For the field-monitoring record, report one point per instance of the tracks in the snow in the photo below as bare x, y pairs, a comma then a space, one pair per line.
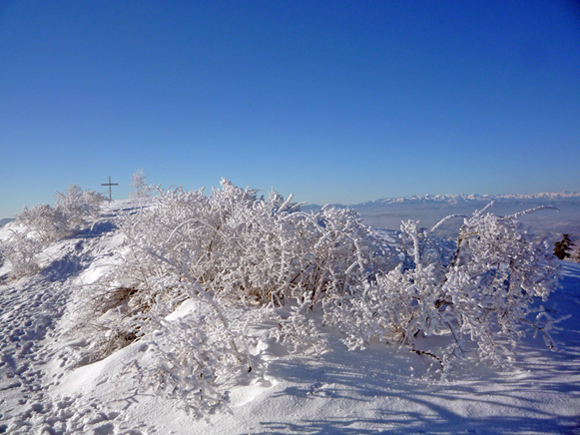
29, 311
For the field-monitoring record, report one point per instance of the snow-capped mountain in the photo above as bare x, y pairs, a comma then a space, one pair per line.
457, 199
564, 217
429, 209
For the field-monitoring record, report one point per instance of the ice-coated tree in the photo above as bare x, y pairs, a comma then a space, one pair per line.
139, 183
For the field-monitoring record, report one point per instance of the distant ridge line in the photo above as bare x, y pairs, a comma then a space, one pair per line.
454, 199
5, 221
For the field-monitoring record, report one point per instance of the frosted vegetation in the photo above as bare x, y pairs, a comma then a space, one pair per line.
43, 224
251, 265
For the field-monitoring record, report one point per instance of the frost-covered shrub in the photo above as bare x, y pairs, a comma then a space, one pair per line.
483, 293
395, 306
22, 252
241, 249
193, 355
72, 210
299, 332
44, 222
78, 206
231, 252
498, 272
245, 249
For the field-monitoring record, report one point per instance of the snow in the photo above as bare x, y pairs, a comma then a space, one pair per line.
380, 389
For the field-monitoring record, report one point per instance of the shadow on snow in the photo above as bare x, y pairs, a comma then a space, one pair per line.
526, 397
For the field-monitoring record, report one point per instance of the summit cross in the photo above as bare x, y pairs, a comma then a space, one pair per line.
110, 184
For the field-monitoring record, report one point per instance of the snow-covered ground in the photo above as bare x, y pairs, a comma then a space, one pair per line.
379, 389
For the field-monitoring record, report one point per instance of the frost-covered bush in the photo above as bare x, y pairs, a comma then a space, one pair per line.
191, 354
245, 249
241, 249
22, 252
298, 331
231, 252
43, 224
78, 206
72, 210
482, 293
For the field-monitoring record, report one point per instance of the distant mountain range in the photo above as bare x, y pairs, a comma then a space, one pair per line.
429, 209
457, 199
452, 199
5, 221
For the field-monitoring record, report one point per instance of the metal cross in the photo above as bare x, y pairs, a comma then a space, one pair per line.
110, 184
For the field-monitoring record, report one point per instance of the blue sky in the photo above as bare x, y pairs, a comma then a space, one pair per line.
334, 101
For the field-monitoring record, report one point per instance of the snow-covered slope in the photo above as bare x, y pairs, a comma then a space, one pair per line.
377, 390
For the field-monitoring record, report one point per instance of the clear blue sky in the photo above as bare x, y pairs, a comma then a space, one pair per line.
334, 101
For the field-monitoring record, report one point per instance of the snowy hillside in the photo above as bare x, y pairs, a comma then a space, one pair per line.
69, 364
